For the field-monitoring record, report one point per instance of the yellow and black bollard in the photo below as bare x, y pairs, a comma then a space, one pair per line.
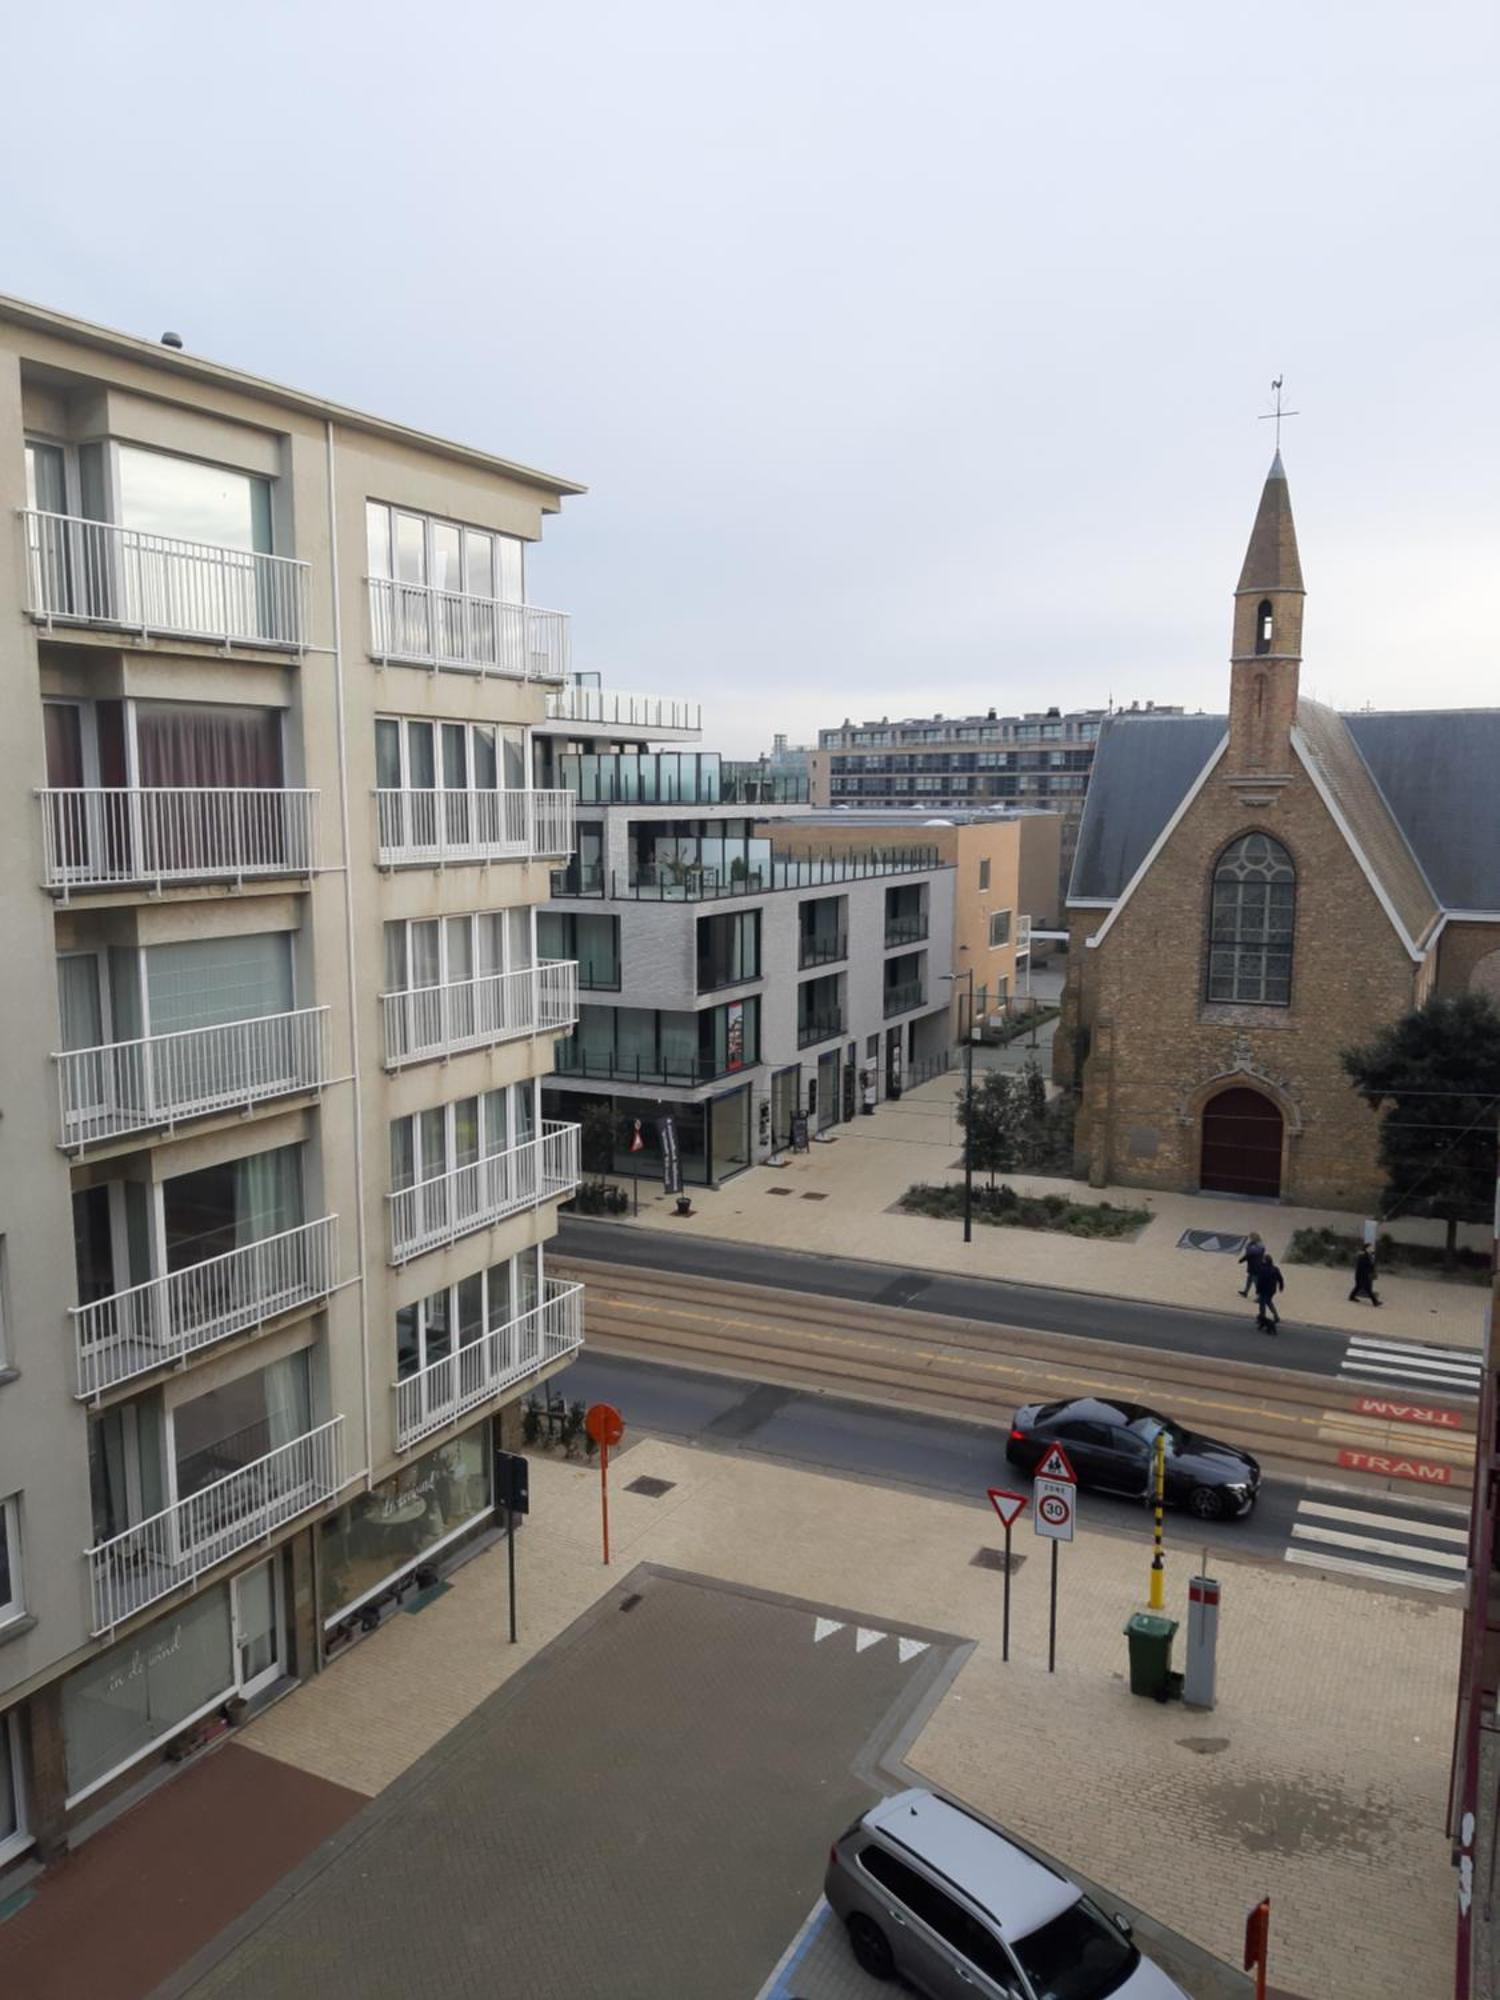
1158, 1598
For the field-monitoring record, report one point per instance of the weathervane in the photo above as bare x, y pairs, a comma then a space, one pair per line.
1275, 416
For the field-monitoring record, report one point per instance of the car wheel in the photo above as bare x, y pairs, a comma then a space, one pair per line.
1205, 1503
868, 1943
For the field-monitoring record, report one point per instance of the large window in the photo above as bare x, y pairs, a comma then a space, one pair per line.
449, 1136
183, 497
414, 548
999, 927
643, 1045
592, 942
430, 1329
1253, 915
728, 949
416, 756
449, 951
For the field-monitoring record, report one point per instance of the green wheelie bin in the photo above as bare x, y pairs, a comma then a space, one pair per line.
1150, 1637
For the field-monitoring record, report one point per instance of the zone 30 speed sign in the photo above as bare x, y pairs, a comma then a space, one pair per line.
1052, 1508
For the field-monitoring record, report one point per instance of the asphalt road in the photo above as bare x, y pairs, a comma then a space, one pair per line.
945, 1455
1228, 1336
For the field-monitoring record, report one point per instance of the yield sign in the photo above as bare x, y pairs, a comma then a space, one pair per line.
1009, 1506
1056, 1466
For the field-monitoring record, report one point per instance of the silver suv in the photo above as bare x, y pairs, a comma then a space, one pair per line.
929, 1890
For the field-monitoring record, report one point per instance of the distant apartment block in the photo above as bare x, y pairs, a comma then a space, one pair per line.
940, 762
276, 1182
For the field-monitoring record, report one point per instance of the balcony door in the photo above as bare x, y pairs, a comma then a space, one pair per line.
259, 1635
90, 1086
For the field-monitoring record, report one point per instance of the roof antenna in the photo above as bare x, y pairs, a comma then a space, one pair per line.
171, 340
1275, 416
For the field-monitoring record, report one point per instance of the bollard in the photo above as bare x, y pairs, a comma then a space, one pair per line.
1202, 1642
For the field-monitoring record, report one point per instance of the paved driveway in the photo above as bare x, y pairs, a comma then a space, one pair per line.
645, 1811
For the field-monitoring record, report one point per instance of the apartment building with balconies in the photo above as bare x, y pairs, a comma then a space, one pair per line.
275, 1178
1039, 761
729, 987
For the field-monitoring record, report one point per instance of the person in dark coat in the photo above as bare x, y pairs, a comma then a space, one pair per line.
1250, 1257
1268, 1282
1364, 1277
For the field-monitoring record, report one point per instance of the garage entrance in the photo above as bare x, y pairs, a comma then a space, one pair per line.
1241, 1144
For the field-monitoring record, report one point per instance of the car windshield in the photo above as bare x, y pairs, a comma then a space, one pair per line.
1080, 1955
1147, 1424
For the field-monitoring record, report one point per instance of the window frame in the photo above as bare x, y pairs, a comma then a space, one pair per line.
391, 509
1003, 918
1237, 948
12, 1607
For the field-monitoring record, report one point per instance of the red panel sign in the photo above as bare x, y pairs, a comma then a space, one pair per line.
1409, 1413
1009, 1506
1421, 1470
1257, 1936
604, 1424
1056, 1465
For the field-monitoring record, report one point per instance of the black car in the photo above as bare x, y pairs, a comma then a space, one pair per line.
1112, 1446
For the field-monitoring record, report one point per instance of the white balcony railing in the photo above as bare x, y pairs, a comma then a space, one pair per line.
435, 827
455, 1204
490, 1365
94, 573
475, 635
132, 1086
184, 1541
1023, 937
433, 1021
98, 838
166, 1319
606, 708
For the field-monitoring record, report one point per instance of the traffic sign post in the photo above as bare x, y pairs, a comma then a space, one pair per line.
605, 1426
1010, 1507
1053, 1493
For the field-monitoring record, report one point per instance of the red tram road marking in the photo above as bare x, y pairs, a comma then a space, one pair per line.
1397, 1468
1409, 1413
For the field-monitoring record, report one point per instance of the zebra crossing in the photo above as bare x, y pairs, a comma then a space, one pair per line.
1404, 1364
1424, 1548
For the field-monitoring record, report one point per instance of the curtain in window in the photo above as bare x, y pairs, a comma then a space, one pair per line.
519, 952
218, 748
80, 1004
288, 1400
679, 1044
207, 982
267, 1194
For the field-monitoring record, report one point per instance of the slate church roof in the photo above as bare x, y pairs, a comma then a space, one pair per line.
1419, 791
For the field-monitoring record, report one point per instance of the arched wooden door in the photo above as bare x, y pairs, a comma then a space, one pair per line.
1241, 1144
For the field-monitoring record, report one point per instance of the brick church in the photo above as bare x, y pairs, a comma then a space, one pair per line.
1248, 898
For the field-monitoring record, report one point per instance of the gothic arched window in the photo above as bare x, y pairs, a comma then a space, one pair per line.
1253, 912
1264, 625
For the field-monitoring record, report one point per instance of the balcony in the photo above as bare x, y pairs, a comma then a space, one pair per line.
440, 1210
822, 948
436, 828
416, 623
904, 998
94, 838
94, 573
684, 1072
430, 1021
674, 777
164, 1321
497, 1361
750, 870
135, 1086
604, 709
904, 930
820, 1028
184, 1541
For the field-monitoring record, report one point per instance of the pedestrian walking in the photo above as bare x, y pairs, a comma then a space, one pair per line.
1268, 1282
867, 1086
1250, 1257
1364, 1277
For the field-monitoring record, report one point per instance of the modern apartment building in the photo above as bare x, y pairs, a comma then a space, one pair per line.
1005, 873
942, 763
724, 984
275, 1180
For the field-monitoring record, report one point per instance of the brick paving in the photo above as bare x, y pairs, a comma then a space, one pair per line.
133, 1903
1320, 1779
874, 1160
640, 1815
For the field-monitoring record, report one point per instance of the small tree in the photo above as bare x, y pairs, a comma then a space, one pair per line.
1435, 1075
996, 1130
596, 1135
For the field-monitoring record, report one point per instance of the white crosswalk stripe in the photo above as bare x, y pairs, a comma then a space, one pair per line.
1391, 1545
1401, 1364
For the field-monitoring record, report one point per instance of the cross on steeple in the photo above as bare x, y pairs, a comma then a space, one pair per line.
1275, 416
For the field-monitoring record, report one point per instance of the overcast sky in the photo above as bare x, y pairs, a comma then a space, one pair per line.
912, 355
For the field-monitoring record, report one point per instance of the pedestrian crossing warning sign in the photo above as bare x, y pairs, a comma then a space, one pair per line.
1056, 1465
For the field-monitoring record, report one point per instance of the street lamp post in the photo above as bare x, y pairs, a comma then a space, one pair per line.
954, 977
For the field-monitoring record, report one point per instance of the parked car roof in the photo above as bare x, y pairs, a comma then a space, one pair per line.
1021, 1894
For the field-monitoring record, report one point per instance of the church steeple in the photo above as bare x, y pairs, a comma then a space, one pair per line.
1267, 651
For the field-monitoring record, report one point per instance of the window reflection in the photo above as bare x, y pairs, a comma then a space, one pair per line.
193, 502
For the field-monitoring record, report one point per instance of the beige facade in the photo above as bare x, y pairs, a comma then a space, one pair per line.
273, 1181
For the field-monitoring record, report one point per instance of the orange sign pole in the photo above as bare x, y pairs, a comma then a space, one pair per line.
604, 1494
605, 1426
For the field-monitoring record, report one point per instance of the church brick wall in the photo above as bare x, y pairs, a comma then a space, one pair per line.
1156, 1045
